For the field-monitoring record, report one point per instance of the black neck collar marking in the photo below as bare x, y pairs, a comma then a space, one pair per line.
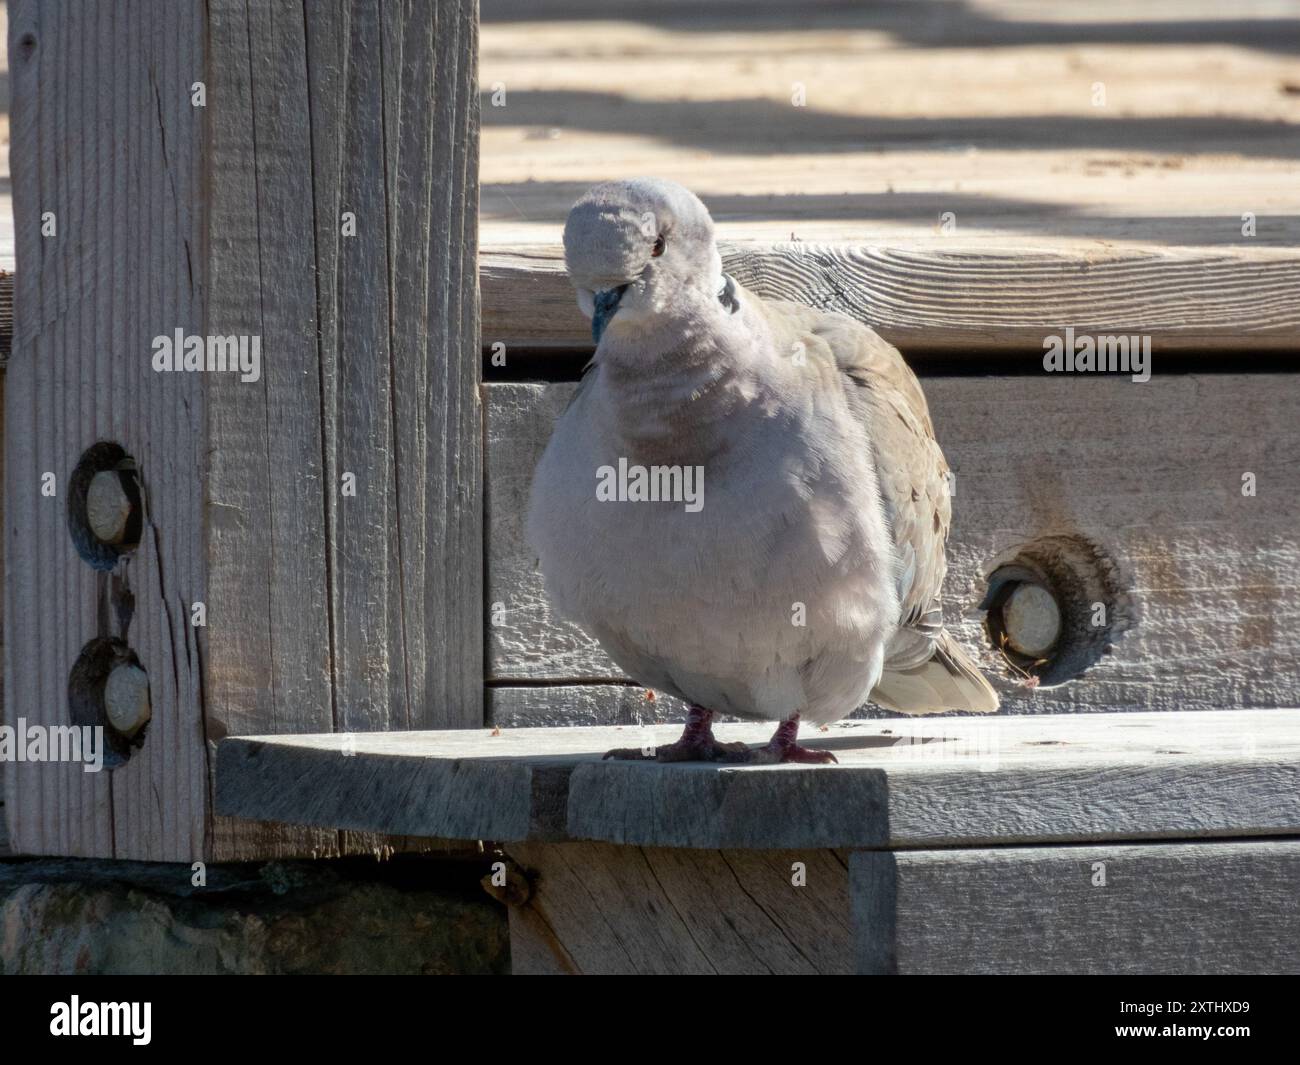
727, 295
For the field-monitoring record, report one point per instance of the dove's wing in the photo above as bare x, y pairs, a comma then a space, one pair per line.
910, 467
925, 670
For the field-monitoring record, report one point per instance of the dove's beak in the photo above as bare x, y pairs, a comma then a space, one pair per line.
606, 304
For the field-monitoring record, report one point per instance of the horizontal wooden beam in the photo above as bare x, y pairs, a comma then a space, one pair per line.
1204, 606
959, 298
899, 783
1203, 908
1210, 300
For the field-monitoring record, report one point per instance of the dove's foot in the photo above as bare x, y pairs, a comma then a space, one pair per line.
696, 745
782, 748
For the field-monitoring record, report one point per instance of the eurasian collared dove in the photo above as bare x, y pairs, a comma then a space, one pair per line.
744, 502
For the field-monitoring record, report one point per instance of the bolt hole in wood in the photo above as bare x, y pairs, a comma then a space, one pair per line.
105, 516
108, 687
1054, 607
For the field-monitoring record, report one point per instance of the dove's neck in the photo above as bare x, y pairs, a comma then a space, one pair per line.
682, 388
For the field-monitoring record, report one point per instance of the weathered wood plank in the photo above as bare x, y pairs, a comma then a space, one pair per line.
374, 112
1194, 908
596, 908
538, 706
1056, 201
456, 462
398, 122
967, 300
1150, 473
526, 639
900, 783
324, 609
267, 495
160, 798
938, 299
112, 166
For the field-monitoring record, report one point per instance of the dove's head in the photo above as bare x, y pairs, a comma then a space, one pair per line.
638, 250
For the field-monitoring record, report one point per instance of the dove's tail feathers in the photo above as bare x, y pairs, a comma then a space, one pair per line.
950, 680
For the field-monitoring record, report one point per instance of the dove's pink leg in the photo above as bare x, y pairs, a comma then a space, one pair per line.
696, 745
782, 747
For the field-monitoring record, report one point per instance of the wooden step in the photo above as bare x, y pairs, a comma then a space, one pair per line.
937, 845
900, 783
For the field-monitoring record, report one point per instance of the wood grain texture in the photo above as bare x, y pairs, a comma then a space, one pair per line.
924, 295
324, 610
631, 910
944, 781
269, 654
1178, 908
1062, 206
1149, 473
372, 620
538, 706
105, 138
526, 638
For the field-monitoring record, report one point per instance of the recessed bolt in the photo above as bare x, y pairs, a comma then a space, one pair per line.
1032, 620
108, 507
126, 698
1041, 607
105, 505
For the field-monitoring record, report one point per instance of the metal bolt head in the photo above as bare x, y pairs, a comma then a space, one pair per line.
126, 698
1032, 620
108, 508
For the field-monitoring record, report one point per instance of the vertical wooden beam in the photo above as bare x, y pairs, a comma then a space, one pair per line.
268, 651
323, 199
106, 152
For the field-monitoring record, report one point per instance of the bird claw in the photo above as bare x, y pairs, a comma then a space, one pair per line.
779, 754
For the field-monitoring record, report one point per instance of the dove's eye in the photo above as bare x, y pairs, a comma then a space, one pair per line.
658, 249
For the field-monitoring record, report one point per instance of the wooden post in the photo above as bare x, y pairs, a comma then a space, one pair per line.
239, 180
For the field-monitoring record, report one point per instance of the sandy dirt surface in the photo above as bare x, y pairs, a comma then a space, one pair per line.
1151, 123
